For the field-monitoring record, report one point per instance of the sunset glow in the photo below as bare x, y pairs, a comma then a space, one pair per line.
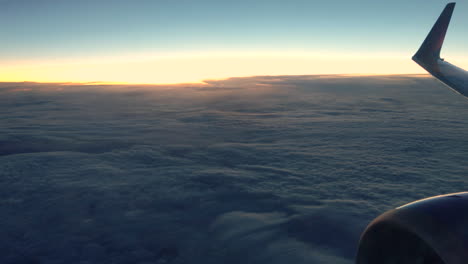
198, 67
186, 41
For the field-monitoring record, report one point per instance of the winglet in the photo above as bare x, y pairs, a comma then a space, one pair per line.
429, 51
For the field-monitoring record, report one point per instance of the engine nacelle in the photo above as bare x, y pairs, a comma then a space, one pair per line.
428, 231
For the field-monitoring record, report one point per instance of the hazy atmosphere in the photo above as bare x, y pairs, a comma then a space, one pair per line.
161, 41
279, 169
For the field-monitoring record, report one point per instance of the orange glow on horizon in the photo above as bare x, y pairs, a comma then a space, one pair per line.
194, 68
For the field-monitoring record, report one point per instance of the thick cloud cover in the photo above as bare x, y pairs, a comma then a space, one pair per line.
280, 169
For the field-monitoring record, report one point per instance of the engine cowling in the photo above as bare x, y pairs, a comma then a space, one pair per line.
428, 231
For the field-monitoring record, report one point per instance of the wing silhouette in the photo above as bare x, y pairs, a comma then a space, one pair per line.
428, 55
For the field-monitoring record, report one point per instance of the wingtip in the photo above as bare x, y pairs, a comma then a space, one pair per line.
450, 5
429, 51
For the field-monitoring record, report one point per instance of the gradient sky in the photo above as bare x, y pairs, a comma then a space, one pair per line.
166, 41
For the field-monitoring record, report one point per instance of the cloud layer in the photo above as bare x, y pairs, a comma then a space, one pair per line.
278, 169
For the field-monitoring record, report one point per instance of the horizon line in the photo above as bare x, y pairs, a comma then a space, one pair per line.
206, 81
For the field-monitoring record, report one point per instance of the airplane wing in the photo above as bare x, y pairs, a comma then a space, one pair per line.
428, 56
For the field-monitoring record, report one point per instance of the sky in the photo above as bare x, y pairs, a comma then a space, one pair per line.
163, 41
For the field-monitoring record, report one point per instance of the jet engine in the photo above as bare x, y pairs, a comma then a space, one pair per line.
428, 231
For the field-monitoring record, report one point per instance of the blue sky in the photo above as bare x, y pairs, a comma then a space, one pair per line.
63, 29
